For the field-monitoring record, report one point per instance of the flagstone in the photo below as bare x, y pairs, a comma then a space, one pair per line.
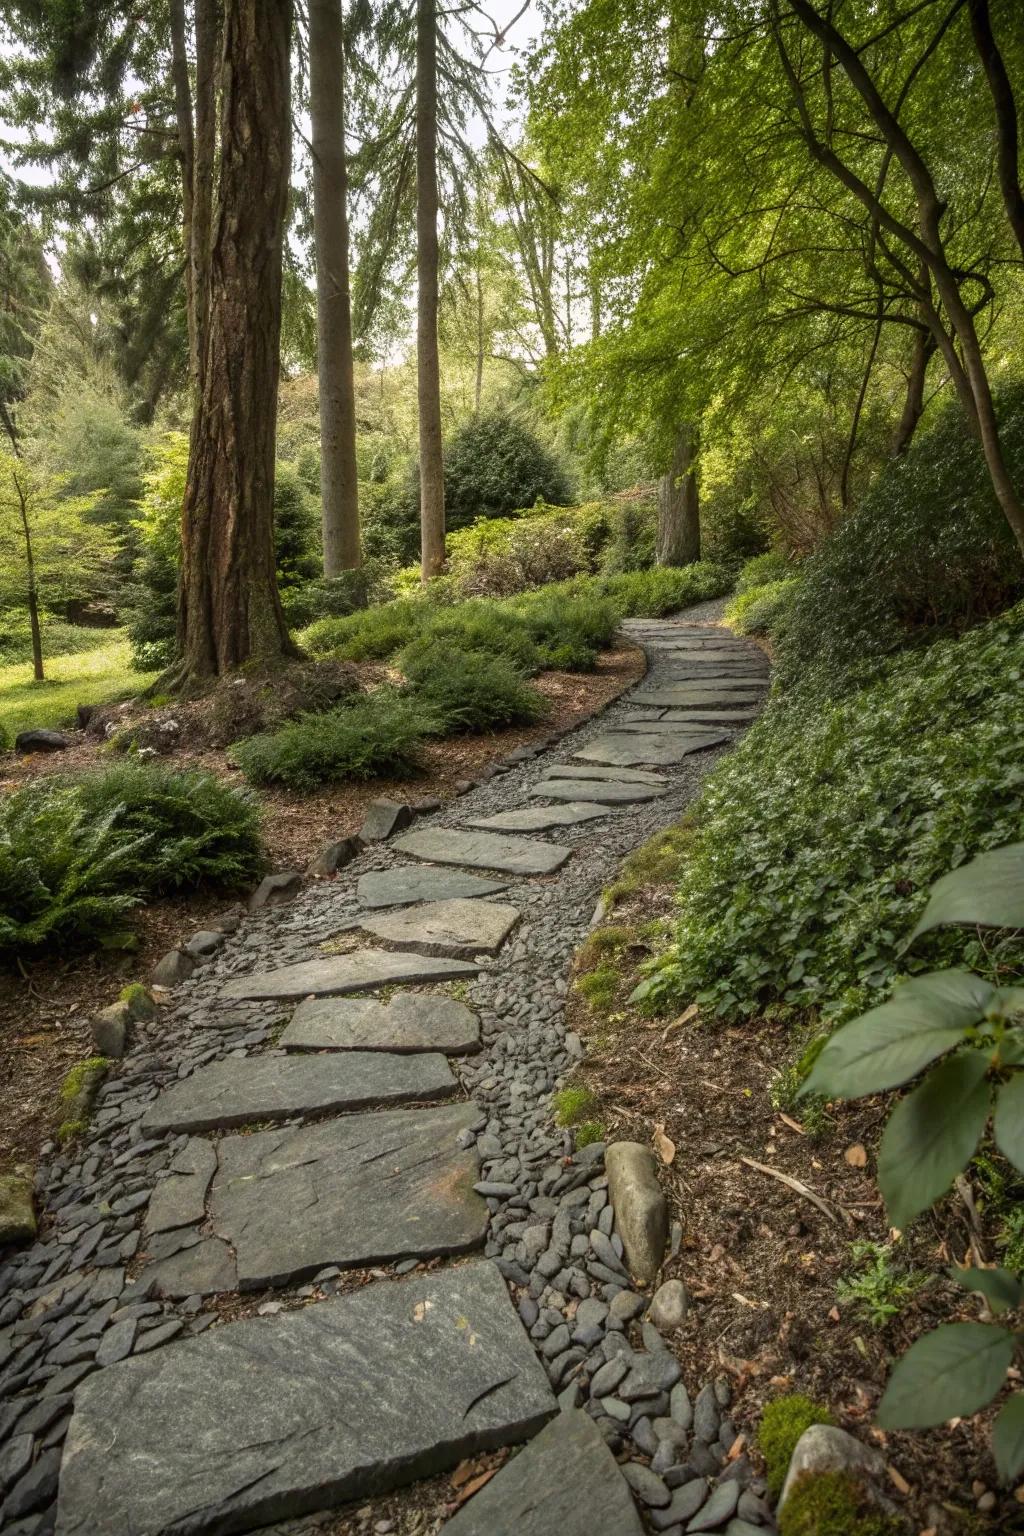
458, 927
411, 882
410, 1022
484, 850
361, 970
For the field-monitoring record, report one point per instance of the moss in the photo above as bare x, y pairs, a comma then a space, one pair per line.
84, 1078
605, 941
782, 1423
598, 987
69, 1129
656, 862
588, 1131
139, 1000
571, 1105
832, 1504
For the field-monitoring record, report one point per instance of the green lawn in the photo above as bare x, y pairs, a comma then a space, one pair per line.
90, 677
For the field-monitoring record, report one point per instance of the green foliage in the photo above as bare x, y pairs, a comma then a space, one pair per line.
494, 464
833, 1504
498, 556
77, 853
879, 1286
335, 596
570, 630
481, 626
589, 1131
59, 638
379, 733
926, 553
664, 589
98, 676
368, 635
296, 528
782, 1423
764, 570
572, 1105
599, 987
82, 1077
760, 610
470, 690
816, 838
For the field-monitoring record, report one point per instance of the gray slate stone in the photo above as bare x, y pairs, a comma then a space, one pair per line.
641, 1214
110, 1030
565, 1483
411, 882
680, 695
206, 1269
363, 970
825, 1448
484, 850
275, 890
460, 926
173, 968
17, 1212
540, 818
411, 1021
596, 771
628, 747
40, 740
271, 1418
180, 1199
602, 791
360, 1190
233, 1092
383, 819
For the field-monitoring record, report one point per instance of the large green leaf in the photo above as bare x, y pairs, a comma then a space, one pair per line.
924, 1018
1008, 1438
1008, 1124
952, 1371
932, 1135
1000, 1288
989, 892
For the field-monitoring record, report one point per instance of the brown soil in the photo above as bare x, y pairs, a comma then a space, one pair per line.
45, 1003
761, 1261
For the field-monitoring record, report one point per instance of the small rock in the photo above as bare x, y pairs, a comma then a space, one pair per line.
625, 1306
229, 921
40, 741
384, 818
706, 1415
175, 967
110, 1030
647, 1485
204, 942
669, 1306
15, 1458
720, 1507
680, 1407
334, 856
824, 1448
641, 1214
35, 1488
275, 890
685, 1502
17, 1214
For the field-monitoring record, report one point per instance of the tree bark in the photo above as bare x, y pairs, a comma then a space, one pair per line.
187, 156
1008, 138
913, 402
478, 386
339, 477
427, 360
678, 541
30, 582
229, 611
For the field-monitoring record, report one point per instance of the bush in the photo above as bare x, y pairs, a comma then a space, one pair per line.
566, 625
470, 690
632, 532
782, 1423
76, 854
665, 589
774, 565
497, 557
761, 610
489, 627
493, 465
927, 553
380, 733
817, 838
368, 635
329, 597
833, 1504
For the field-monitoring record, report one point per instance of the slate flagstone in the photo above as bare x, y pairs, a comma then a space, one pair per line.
410, 1022
604, 791
458, 927
362, 970
484, 850
411, 882
537, 818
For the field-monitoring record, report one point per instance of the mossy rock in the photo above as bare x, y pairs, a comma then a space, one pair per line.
833, 1504
139, 1000
78, 1094
782, 1423
17, 1213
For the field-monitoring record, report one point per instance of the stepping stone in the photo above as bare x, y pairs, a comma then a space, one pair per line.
401, 887
627, 748
594, 771
268, 1419
243, 1091
206, 1269
712, 716
410, 1022
603, 791
565, 1483
484, 850
731, 677
682, 695
680, 730
180, 1199
364, 1189
539, 818
456, 927
361, 971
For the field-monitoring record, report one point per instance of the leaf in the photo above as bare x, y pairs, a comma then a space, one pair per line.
1008, 1438
932, 1134
999, 1287
987, 892
1008, 1124
856, 1155
924, 1018
666, 1147
952, 1371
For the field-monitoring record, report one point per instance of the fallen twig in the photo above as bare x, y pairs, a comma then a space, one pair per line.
832, 1212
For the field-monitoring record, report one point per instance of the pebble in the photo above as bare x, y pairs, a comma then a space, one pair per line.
647, 1485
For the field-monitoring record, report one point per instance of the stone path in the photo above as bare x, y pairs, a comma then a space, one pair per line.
227, 1323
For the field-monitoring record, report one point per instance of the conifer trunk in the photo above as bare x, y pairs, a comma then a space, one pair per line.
678, 539
339, 479
427, 360
229, 611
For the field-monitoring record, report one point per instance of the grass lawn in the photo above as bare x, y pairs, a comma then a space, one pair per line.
90, 677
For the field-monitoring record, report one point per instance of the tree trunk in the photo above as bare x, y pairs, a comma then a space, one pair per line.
229, 611
1008, 138
427, 361
479, 382
187, 155
339, 478
30, 582
678, 540
913, 403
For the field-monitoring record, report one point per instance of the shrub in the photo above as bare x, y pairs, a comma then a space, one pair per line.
470, 690
833, 1504
76, 854
496, 557
329, 597
927, 553
632, 529
370, 634
761, 610
380, 733
782, 1423
664, 589
560, 619
493, 465
774, 565
490, 627
817, 837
